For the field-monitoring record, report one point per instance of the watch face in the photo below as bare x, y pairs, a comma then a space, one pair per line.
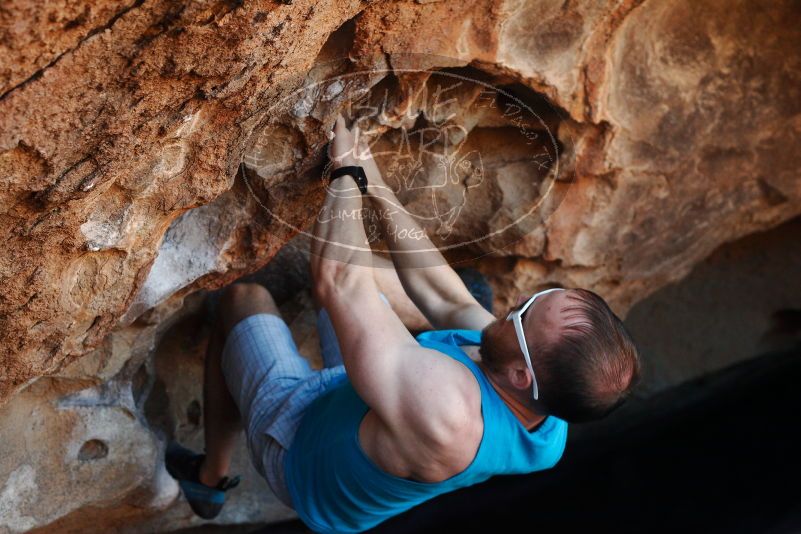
361, 179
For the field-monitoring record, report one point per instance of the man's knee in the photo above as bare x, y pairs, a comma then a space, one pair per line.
239, 301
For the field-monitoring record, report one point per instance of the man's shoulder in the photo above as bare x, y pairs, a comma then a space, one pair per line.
440, 423
457, 430
456, 404
452, 442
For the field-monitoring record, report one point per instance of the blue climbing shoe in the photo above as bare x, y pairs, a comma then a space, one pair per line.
183, 465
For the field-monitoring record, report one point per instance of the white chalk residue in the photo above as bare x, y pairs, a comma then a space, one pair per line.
191, 248
19, 492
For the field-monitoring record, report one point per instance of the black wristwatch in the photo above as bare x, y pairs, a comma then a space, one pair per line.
353, 170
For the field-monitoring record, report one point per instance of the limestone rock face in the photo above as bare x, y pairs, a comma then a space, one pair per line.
149, 150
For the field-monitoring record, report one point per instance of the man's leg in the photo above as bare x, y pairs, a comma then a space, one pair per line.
221, 416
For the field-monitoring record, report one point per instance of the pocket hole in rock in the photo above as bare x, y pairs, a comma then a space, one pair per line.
94, 449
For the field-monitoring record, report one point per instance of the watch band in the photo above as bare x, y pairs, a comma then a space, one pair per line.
353, 170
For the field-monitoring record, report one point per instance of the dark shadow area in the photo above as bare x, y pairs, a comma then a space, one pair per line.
719, 454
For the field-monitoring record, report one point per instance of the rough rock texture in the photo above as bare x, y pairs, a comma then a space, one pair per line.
152, 149
742, 301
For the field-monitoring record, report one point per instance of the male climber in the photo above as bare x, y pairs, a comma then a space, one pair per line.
392, 420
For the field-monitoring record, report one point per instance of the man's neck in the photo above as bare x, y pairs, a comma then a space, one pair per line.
524, 413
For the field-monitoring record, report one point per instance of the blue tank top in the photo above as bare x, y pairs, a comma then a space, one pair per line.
336, 487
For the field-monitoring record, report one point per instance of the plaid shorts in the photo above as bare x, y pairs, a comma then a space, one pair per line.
273, 384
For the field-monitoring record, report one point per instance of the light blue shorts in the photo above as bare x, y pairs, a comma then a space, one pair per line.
273, 385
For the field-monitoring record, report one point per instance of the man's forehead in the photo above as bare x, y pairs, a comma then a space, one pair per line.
542, 295
551, 299
548, 309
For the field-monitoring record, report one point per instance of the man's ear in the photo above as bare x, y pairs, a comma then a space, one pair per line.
519, 377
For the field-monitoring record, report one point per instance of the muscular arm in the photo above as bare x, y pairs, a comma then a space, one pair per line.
426, 277
411, 388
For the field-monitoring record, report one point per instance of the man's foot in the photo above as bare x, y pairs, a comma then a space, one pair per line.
184, 466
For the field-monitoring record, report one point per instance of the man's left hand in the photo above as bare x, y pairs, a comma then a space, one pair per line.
342, 148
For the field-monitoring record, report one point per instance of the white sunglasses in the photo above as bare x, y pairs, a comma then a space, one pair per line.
516, 317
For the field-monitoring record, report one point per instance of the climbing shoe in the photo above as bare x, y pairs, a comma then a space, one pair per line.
184, 466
